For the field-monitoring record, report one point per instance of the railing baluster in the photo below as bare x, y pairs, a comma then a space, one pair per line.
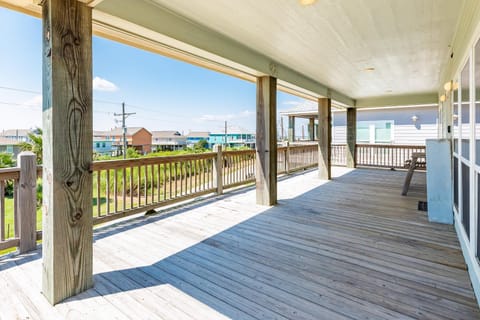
145, 184
99, 213
15, 206
124, 189
2, 210
115, 190
107, 189
131, 187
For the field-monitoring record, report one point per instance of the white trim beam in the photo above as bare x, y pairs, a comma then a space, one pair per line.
153, 17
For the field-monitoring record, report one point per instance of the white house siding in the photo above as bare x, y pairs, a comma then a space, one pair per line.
339, 135
405, 130
405, 135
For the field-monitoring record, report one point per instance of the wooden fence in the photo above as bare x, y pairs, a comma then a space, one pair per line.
386, 156
126, 187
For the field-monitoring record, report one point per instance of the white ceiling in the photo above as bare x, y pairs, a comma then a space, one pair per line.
322, 49
333, 41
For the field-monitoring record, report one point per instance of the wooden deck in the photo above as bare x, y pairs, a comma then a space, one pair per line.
352, 248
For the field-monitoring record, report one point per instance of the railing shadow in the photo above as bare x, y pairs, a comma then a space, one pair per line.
250, 265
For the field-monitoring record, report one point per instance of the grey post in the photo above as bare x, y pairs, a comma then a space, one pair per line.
218, 169
27, 201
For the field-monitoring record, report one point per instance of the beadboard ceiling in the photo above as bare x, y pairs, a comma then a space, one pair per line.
323, 49
334, 41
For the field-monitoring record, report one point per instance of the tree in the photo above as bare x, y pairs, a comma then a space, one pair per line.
35, 144
132, 153
6, 160
200, 145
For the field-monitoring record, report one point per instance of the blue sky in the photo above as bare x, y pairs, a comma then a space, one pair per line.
165, 94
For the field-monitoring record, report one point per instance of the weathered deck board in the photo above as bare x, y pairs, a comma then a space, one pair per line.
350, 248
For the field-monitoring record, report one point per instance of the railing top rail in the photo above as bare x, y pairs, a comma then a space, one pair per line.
398, 146
9, 173
118, 164
238, 152
305, 146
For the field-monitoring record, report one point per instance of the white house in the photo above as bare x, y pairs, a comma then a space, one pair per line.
168, 140
406, 125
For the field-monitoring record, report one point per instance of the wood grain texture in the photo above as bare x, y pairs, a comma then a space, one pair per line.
311, 129
330, 250
266, 144
218, 169
291, 129
27, 204
351, 137
67, 124
324, 138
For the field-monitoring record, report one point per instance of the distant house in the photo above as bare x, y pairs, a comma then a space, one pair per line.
18, 135
168, 140
10, 146
103, 146
195, 136
236, 137
137, 137
410, 125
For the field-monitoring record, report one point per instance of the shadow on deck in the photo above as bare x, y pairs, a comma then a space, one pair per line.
349, 248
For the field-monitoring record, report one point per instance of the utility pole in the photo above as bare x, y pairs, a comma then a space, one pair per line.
124, 116
281, 128
226, 135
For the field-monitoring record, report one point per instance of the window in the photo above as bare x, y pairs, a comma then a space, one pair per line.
363, 132
375, 131
465, 110
103, 145
97, 145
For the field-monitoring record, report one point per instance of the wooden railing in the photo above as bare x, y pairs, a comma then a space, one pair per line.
296, 157
18, 199
125, 187
338, 155
386, 156
238, 167
9, 180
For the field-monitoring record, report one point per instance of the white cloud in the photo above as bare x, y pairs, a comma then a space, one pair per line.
291, 103
225, 117
36, 101
299, 105
100, 84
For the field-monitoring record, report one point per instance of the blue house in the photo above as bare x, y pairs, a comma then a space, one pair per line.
103, 146
196, 136
235, 138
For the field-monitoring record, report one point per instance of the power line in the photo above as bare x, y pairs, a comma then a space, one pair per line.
124, 115
38, 92
20, 90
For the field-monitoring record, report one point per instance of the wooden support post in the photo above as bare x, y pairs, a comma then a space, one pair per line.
324, 138
291, 128
266, 150
351, 152
311, 129
27, 201
67, 153
218, 169
287, 157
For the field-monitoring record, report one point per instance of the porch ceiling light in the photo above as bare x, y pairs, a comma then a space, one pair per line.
450, 85
443, 98
414, 118
307, 2
369, 69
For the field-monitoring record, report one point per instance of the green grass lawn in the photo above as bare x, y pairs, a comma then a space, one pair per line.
9, 225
